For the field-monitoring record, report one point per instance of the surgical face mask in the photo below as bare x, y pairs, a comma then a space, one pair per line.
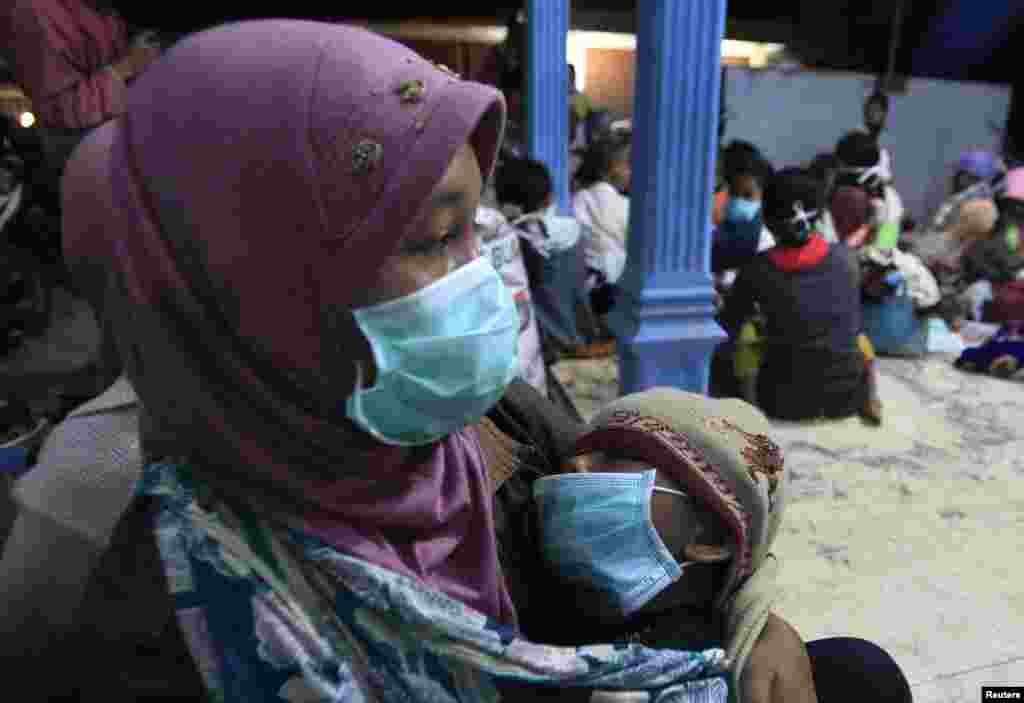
563, 232
596, 532
444, 356
742, 210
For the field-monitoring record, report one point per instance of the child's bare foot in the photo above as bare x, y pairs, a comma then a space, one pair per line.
595, 350
871, 413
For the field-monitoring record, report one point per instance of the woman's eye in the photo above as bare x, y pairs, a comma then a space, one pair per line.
437, 246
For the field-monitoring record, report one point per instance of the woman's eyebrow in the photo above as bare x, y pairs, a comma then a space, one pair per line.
448, 199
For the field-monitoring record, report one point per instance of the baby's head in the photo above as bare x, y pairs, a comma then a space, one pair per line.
672, 499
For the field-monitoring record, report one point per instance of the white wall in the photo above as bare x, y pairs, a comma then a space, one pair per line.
792, 116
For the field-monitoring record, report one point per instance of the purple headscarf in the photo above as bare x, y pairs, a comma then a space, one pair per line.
262, 174
980, 163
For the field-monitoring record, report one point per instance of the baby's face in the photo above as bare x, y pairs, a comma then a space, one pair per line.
691, 531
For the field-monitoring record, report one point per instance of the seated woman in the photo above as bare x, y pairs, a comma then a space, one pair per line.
740, 233
997, 259
809, 293
974, 223
326, 494
976, 176
601, 204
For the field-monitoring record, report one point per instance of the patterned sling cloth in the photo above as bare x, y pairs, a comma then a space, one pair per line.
272, 614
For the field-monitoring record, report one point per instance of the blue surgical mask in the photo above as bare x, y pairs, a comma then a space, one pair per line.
742, 210
444, 356
596, 532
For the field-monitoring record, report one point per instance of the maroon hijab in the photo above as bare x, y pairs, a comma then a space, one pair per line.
262, 174
851, 210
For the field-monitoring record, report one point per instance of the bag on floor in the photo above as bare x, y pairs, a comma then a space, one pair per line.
893, 327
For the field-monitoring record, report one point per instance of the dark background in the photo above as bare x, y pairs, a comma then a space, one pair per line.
978, 40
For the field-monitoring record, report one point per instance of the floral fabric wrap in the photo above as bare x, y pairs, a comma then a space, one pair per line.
272, 614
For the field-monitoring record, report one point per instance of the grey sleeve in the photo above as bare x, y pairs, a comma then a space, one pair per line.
43, 574
86, 473
67, 508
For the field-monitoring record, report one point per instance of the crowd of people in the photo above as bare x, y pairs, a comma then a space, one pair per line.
361, 489
820, 268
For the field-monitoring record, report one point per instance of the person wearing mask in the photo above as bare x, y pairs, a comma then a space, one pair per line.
740, 232
862, 164
350, 477
808, 291
324, 502
601, 203
73, 59
553, 247
645, 544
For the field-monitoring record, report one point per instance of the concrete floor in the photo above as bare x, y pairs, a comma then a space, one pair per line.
909, 535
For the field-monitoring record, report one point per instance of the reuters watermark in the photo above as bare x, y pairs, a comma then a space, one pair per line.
1002, 693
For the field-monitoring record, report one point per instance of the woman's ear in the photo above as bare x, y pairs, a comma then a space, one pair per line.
708, 553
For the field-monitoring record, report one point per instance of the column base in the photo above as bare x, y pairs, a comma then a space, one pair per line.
667, 336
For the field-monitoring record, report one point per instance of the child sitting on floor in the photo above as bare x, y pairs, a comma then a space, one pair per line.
553, 249
740, 233
601, 202
660, 531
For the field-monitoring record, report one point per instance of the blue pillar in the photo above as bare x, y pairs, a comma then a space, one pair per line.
547, 91
665, 321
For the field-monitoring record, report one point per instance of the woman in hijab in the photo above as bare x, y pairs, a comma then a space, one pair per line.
322, 506
808, 291
315, 376
977, 176
997, 258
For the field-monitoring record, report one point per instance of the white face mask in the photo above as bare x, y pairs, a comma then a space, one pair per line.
444, 356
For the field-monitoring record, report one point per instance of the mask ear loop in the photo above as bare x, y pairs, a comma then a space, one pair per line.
803, 218
699, 553
674, 492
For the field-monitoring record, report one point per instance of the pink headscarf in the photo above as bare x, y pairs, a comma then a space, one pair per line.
1015, 184
263, 172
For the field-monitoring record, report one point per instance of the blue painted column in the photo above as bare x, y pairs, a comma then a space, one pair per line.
665, 320
547, 91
